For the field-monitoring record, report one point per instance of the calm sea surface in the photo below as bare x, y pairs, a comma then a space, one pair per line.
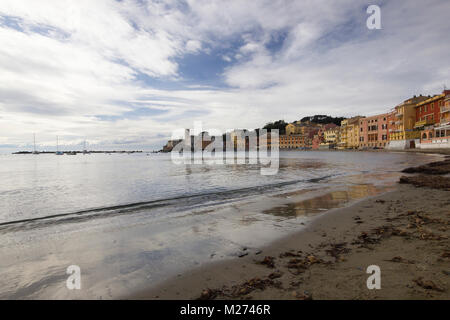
130, 221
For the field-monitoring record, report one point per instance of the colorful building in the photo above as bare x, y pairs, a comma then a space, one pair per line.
317, 139
391, 118
342, 143
374, 131
293, 128
330, 136
349, 133
303, 128
402, 134
445, 110
428, 112
292, 141
433, 119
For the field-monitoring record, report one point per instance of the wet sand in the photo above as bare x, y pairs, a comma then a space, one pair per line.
405, 232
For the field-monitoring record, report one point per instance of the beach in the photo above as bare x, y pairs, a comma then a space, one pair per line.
404, 231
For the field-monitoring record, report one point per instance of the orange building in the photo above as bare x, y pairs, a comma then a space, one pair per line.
434, 134
292, 141
428, 112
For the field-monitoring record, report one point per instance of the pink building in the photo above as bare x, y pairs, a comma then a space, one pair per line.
374, 131
314, 137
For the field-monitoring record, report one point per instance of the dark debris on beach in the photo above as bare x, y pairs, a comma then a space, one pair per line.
430, 175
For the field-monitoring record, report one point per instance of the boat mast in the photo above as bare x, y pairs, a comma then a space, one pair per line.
34, 143
84, 148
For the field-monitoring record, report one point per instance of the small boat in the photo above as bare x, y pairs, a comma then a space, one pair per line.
84, 148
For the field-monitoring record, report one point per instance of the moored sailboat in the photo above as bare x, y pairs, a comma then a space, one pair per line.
58, 153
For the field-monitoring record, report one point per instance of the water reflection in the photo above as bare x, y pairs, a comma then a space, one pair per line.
331, 200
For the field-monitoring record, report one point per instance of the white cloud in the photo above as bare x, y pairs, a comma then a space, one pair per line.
88, 59
193, 46
226, 58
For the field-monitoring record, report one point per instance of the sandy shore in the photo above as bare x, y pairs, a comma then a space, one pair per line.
405, 232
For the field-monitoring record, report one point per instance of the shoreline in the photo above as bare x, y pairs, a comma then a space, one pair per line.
405, 232
436, 151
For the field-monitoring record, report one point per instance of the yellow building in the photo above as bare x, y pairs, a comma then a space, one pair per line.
330, 138
293, 128
445, 110
303, 128
342, 143
330, 135
402, 127
349, 133
353, 133
293, 141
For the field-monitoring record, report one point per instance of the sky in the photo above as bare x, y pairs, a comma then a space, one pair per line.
123, 75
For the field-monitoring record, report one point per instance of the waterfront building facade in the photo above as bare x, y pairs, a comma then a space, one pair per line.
374, 131
292, 141
445, 110
349, 133
330, 136
316, 140
403, 134
342, 143
353, 133
428, 112
433, 121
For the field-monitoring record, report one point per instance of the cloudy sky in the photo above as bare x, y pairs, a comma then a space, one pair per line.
125, 74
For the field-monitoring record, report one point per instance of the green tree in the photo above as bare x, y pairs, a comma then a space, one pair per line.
280, 125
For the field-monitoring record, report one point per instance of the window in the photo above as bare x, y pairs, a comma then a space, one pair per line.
424, 136
430, 135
